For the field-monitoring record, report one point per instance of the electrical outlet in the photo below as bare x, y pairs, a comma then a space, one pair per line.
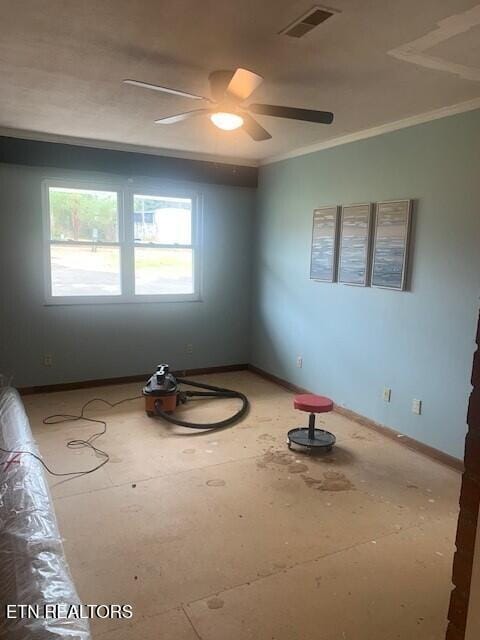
299, 362
189, 348
47, 360
417, 407
387, 394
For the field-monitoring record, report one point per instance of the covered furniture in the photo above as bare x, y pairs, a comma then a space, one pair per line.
33, 568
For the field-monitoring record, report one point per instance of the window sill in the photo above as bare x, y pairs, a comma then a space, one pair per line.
89, 301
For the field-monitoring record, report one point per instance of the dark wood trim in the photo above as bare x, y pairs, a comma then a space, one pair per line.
406, 441
36, 153
81, 384
143, 377
280, 381
466, 538
400, 438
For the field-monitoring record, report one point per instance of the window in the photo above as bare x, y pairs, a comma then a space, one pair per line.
163, 245
120, 245
84, 242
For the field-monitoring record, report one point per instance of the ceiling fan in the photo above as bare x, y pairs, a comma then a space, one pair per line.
229, 89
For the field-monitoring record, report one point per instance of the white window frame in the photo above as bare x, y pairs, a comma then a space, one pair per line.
125, 192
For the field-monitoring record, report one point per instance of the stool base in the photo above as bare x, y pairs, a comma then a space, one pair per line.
301, 436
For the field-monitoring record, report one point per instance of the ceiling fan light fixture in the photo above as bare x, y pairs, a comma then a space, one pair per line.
226, 121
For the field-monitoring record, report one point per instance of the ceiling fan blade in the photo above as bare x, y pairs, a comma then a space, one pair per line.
243, 84
254, 130
307, 115
179, 117
156, 87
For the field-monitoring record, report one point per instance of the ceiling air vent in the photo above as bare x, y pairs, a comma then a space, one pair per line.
307, 22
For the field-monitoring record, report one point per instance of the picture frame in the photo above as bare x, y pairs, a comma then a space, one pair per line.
391, 244
354, 244
323, 258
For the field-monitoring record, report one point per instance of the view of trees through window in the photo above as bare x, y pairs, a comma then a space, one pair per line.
87, 251
77, 214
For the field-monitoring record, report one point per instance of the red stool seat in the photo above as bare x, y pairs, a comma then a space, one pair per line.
313, 403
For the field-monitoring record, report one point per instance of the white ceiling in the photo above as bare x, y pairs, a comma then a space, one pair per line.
62, 63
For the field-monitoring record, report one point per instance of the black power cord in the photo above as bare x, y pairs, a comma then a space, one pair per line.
212, 392
79, 443
59, 418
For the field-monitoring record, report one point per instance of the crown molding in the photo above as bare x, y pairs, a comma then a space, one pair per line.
428, 116
120, 146
411, 121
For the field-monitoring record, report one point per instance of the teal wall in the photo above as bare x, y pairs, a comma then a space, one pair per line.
355, 341
112, 340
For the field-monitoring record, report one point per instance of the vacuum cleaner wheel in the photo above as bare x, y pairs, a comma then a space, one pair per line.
322, 439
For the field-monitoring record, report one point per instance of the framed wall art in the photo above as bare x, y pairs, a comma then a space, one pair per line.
354, 249
323, 262
390, 248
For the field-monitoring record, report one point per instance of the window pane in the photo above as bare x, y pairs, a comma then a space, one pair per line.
79, 270
80, 214
159, 271
163, 220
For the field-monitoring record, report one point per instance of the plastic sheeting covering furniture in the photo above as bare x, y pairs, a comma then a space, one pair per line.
33, 568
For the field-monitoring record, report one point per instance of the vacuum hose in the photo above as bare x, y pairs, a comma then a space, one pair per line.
212, 392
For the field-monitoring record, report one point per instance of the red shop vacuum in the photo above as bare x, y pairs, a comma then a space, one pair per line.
163, 395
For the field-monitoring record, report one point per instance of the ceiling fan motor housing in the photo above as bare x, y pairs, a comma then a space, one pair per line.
219, 81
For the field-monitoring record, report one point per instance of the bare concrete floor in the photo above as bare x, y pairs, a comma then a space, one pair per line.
229, 536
